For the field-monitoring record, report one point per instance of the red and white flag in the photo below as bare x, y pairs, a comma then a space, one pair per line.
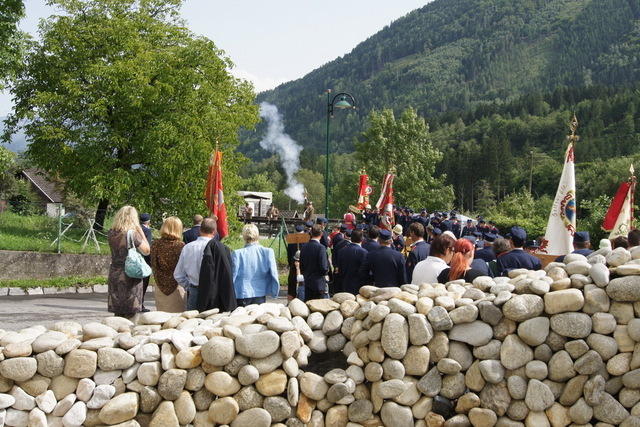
386, 200
364, 190
558, 238
619, 217
214, 194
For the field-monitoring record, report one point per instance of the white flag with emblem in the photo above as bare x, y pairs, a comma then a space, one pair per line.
558, 238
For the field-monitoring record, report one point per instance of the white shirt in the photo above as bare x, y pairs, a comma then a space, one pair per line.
187, 270
427, 270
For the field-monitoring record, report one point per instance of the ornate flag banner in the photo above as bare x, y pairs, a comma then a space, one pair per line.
386, 201
364, 190
558, 238
619, 217
214, 194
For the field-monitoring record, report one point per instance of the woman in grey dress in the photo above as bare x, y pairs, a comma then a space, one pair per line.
125, 293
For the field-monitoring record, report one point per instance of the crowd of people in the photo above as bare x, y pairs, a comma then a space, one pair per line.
192, 269
419, 248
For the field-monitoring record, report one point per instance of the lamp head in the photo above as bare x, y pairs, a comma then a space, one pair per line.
343, 103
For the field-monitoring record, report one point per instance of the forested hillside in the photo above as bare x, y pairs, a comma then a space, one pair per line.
454, 55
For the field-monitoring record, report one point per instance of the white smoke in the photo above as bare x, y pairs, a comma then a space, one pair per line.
278, 142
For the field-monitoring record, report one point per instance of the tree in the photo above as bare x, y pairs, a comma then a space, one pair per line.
404, 144
125, 104
11, 39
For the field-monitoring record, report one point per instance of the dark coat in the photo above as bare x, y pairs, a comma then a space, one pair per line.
385, 267
419, 252
351, 259
191, 234
149, 236
482, 266
314, 265
398, 243
215, 287
517, 258
370, 245
486, 254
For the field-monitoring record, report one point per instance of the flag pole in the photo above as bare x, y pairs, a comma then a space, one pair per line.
632, 178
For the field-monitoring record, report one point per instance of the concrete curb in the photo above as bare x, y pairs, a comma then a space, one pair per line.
43, 290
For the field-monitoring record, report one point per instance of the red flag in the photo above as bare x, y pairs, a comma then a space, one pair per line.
364, 190
616, 206
214, 195
386, 201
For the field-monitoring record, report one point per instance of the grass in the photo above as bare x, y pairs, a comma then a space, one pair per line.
37, 232
56, 282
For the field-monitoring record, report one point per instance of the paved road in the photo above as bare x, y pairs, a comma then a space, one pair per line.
18, 312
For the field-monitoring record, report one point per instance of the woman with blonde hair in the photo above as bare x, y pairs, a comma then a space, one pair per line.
255, 274
165, 254
125, 293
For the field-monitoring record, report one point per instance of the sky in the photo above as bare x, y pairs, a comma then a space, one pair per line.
272, 41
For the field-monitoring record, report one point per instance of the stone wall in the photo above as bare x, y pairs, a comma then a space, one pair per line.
42, 265
557, 347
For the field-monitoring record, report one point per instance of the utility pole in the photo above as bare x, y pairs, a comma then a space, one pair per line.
531, 173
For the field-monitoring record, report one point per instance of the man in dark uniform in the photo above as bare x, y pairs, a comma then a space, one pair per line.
477, 263
145, 222
351, 259
314, 265
455, 226
323, 223
492, 228
371, 242
338, 243
482, 226
292, 248
192, 234
384, 267
486, 254
517, 257
581, 245
398, 240
469, 229
419, 248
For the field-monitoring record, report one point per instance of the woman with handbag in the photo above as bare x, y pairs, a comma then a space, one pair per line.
165, 253
128, 268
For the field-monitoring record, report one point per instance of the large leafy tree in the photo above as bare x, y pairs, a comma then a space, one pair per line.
11, 39
404, 145
125, 104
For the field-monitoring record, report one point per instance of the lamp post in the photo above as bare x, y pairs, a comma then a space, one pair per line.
341, 101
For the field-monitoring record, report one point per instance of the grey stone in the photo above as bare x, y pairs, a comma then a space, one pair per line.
258, 345
625, 289
514, 353
539, 397
439, 319
476, 333
534, 331
395, 336
609, 410
572, 325
522, 307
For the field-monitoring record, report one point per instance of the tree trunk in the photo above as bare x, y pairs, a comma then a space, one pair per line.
101, 213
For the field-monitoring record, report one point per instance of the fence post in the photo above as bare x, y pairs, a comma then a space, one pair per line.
59, 225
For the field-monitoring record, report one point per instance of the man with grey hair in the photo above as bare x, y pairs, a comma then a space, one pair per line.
255, 273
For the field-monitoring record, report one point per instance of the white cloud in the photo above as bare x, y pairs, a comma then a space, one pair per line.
260, 83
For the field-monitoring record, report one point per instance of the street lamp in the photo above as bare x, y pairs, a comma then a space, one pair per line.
341, 101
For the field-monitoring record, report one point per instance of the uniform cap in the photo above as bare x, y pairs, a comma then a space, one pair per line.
385, 234
299, 228
581, 237
517, 234
397, 229
145, 217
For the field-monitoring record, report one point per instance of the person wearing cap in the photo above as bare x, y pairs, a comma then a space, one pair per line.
308, 213
581, 245
419, 248
384, 267
492, 227
455, 226
338, 243
469, 229
324, 240
398, 240
517, 257
371, 242
482, 226
145, 223
314, 265
486, 254
292, 249
349, 262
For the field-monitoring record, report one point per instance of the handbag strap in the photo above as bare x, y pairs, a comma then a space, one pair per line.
129, 239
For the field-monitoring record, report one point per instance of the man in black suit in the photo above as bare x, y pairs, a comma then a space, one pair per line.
314, 264
517, 257
384, 266
351, 259
192, 234
145, 222
370, 244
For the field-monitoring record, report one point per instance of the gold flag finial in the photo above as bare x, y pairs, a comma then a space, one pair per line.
573, 126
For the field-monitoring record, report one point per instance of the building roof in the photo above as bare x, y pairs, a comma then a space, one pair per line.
43, 184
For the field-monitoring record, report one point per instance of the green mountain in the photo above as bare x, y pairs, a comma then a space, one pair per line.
456, 55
